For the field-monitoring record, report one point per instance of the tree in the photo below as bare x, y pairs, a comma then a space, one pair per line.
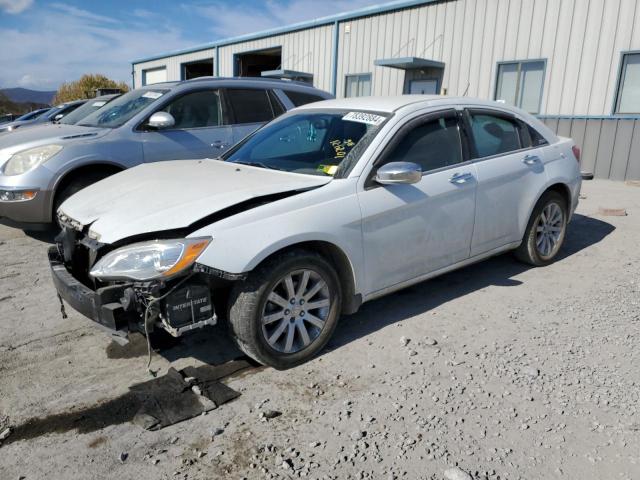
86, 88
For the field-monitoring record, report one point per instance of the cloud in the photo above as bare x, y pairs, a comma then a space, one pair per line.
229, 20
15, 6
60, 42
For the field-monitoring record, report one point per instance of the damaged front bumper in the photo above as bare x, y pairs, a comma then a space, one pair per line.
130, 307
103, 305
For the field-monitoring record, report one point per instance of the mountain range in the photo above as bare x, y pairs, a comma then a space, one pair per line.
25, 95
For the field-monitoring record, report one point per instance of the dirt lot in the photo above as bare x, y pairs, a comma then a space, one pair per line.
504, 371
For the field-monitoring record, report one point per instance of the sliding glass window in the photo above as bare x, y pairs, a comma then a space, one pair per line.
628, 97
520, 84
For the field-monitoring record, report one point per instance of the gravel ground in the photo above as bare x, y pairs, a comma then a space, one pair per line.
494, 371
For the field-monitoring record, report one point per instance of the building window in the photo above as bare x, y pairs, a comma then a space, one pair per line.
520, 84
628, 98
358, 85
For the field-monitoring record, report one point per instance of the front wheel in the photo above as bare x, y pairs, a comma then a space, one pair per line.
545, 232
287, 309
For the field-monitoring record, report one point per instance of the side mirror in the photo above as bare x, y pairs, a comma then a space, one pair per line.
161, 120
399, 172
58, 117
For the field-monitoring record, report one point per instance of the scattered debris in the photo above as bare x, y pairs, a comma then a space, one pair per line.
612, 212
269, 415
456, 474
123, 457
5, 434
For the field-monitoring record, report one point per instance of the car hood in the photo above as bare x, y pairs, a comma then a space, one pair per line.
173, 195
44, 134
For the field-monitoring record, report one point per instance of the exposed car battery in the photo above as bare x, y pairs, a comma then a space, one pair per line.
187, 308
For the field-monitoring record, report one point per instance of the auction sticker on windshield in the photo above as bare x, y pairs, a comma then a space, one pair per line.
363, 117
152, 95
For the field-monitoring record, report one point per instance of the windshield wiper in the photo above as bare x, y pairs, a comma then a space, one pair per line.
261, 165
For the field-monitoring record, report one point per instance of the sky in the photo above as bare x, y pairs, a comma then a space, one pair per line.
44, 43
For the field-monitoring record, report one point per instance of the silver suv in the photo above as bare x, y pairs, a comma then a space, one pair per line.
42, 166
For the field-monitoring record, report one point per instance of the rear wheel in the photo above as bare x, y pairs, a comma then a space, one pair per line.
287, 309
545, 232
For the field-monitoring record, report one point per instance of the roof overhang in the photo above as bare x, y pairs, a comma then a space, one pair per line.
408, 63
288, 74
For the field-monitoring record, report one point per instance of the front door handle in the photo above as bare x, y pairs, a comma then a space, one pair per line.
461, 178
531, 159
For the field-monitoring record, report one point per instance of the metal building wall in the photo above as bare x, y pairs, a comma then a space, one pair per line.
306, 50
172, 63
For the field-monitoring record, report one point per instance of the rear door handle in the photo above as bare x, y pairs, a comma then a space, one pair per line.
531, 159
461, 178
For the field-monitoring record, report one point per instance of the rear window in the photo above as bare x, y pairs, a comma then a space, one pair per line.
250, 105
302, 98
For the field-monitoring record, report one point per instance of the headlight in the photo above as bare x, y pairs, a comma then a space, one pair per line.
26, 160
150, 260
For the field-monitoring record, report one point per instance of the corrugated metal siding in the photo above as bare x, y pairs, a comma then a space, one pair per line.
173, 65
609, 146
306, 50
580, 39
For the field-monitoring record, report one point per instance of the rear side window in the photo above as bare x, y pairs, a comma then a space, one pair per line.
494, 135
276, 104
249, 105
536, 139
302, 98
432, 145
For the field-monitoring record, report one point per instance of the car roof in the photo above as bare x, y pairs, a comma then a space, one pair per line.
394, 103
252, 81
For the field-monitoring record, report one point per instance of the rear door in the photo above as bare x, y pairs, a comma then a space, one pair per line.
412, 230
511, 173
201, 129
250, 108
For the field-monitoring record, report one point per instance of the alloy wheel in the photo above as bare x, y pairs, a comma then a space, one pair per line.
296, 311
549, 230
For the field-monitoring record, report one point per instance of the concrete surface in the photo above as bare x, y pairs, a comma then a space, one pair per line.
500, 370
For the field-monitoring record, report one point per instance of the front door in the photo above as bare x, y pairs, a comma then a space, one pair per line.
412, 230
199, 130
511, 174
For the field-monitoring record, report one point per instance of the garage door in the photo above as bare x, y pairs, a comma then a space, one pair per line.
155, 75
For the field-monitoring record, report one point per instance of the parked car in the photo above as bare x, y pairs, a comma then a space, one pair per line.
197, 118
331, 205
49, 115
87, 109
8, 117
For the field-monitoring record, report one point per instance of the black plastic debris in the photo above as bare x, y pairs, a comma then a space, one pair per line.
181, 395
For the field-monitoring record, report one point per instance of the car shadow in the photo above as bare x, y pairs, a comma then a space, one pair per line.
425, 296
214, 346
46, 234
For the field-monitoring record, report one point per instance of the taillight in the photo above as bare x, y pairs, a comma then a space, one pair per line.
576, 153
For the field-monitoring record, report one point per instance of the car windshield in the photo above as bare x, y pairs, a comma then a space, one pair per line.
84, 111
122, 109
316, 142
32, 115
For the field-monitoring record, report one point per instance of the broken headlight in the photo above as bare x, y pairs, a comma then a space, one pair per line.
150, 260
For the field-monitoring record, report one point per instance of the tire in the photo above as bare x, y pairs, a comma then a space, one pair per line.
534, 250
251, 301
73, 187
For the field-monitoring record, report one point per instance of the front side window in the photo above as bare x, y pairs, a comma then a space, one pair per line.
628, 100
432, 145
494, 135
250, 105
358, 85
119, 111
196, 110
520, 84
316, 143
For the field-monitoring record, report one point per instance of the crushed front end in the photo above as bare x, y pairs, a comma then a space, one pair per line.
178, 303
